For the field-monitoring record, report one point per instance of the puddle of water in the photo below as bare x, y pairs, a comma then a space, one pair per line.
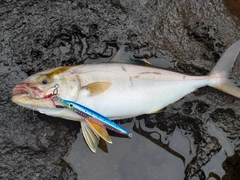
135, 158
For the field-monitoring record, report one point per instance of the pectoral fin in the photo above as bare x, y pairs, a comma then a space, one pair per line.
100, 130
97, 87
90, 136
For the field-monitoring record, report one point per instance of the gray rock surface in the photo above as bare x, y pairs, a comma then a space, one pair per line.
185, 36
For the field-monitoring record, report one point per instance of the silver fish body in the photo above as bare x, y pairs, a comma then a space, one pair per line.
133, 90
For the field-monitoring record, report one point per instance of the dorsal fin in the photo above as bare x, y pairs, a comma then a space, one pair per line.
124, 56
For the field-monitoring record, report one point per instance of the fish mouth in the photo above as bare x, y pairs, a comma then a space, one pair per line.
31, 97
24, 101
25, 89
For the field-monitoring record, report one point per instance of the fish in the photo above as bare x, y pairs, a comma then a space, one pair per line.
95, 120
119, 90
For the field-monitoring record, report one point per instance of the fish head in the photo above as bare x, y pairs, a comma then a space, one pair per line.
38, 89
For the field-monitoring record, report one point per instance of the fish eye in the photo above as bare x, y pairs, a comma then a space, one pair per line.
70, 105
44, 79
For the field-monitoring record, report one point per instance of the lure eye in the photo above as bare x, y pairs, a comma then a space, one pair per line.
44, 80
70, 105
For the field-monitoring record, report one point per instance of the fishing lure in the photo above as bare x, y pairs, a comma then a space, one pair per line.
94, 117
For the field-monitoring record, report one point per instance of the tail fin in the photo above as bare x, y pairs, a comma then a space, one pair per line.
223, 70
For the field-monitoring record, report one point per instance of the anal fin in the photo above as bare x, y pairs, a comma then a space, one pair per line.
158, 111
90, 136
100, 130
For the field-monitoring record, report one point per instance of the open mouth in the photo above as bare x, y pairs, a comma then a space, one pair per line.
25, 90
27, 96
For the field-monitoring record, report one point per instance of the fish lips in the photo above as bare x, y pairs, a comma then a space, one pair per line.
20, 89
27, 90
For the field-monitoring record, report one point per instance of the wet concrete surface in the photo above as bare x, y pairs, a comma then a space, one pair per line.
197, 137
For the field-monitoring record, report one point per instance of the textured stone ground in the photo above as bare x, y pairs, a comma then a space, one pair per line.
38, 35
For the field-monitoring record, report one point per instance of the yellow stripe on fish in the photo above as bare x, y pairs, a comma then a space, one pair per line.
58, 71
